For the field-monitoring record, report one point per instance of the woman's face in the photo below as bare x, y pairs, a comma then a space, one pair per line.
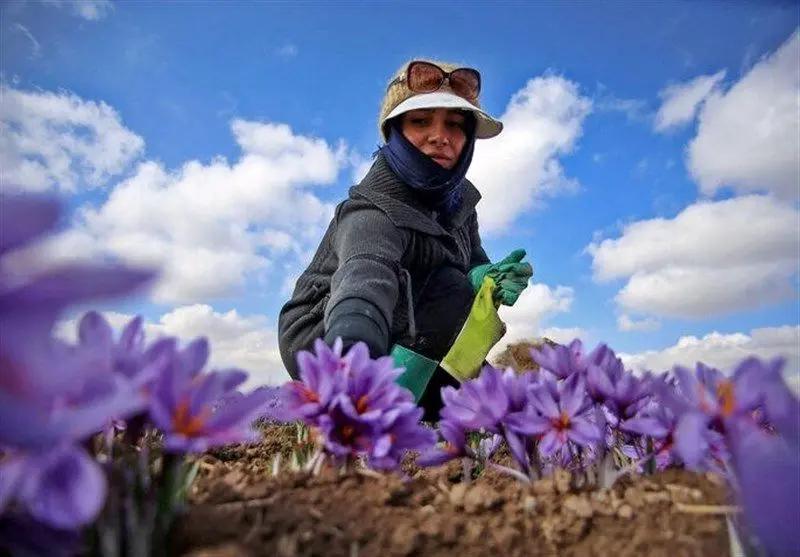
438, 132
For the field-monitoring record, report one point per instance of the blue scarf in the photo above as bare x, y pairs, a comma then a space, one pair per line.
439, 188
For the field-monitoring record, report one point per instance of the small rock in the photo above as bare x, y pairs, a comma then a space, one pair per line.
428, 509
529, 504
655, 497
625, 511
545, 486
404, 540
579, 506
480, 497
634, 497
457, 494
561, 478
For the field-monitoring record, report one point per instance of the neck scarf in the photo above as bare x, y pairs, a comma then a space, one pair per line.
439, 188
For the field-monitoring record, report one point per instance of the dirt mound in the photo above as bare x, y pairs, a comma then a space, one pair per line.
238, 508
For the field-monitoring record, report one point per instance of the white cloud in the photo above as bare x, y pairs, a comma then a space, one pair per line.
246, 342
626, 323
92, 10
535, 306
712, 258
287, 51
724, 351
749, 137
681, 101
36, 48
60, 141
542, 121
211, 226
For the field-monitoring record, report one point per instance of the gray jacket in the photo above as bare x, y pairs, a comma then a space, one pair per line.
374, 259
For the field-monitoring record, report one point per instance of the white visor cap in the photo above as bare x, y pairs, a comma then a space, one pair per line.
486, 126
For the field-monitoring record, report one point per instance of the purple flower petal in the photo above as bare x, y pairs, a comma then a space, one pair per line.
23, 218
65, 488
691, 441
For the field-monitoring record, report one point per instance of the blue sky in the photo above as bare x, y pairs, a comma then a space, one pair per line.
649, 164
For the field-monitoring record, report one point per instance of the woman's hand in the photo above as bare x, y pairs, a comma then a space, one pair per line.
510, 276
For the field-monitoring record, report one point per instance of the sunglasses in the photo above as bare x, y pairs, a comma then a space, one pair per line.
424, 77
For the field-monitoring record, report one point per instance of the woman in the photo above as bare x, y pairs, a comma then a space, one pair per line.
401, 260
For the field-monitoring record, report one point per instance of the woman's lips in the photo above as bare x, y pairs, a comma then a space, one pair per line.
440, 158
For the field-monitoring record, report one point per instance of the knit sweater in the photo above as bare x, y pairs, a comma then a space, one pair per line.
378, 251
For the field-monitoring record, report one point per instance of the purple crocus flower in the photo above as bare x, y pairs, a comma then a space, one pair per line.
480, 403
558, 414
562, 361
455, 445
399, 430
185, 404
619, 390
321, 379
369, 385
343, 435
657, 422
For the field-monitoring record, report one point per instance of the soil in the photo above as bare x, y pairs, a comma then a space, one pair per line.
238, 508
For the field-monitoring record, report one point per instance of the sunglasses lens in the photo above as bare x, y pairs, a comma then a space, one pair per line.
466, 83
424, 77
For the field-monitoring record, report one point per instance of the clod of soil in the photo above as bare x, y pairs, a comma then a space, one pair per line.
518, 355
237, 508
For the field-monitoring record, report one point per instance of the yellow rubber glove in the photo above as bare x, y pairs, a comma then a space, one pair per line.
481, 331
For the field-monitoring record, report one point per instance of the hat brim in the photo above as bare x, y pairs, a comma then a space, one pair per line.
486, 126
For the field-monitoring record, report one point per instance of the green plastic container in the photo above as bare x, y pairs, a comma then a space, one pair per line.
418, 370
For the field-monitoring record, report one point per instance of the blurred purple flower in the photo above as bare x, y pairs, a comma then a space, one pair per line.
185, 404
61, 487
768, 472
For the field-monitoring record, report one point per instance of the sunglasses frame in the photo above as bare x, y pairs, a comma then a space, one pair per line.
445, 78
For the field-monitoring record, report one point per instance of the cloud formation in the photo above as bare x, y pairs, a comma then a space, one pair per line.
748, 138
210, 227
681, 101
712, 258
535, 306
58, 141
247, 342
724, 351
626, 323
513, 171
91, 10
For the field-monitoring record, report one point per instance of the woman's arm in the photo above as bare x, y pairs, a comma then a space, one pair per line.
478, 255
365, 286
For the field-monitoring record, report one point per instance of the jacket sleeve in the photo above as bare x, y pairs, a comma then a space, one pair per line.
477, 255
365, 286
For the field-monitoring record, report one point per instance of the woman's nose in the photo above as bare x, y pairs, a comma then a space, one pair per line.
438, 135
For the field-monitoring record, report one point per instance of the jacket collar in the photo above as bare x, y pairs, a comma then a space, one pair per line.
390, 194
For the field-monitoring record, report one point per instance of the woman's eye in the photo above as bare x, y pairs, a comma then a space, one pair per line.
419, 121
456, 124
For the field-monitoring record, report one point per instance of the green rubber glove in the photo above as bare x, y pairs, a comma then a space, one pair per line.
511, 266
481, 331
